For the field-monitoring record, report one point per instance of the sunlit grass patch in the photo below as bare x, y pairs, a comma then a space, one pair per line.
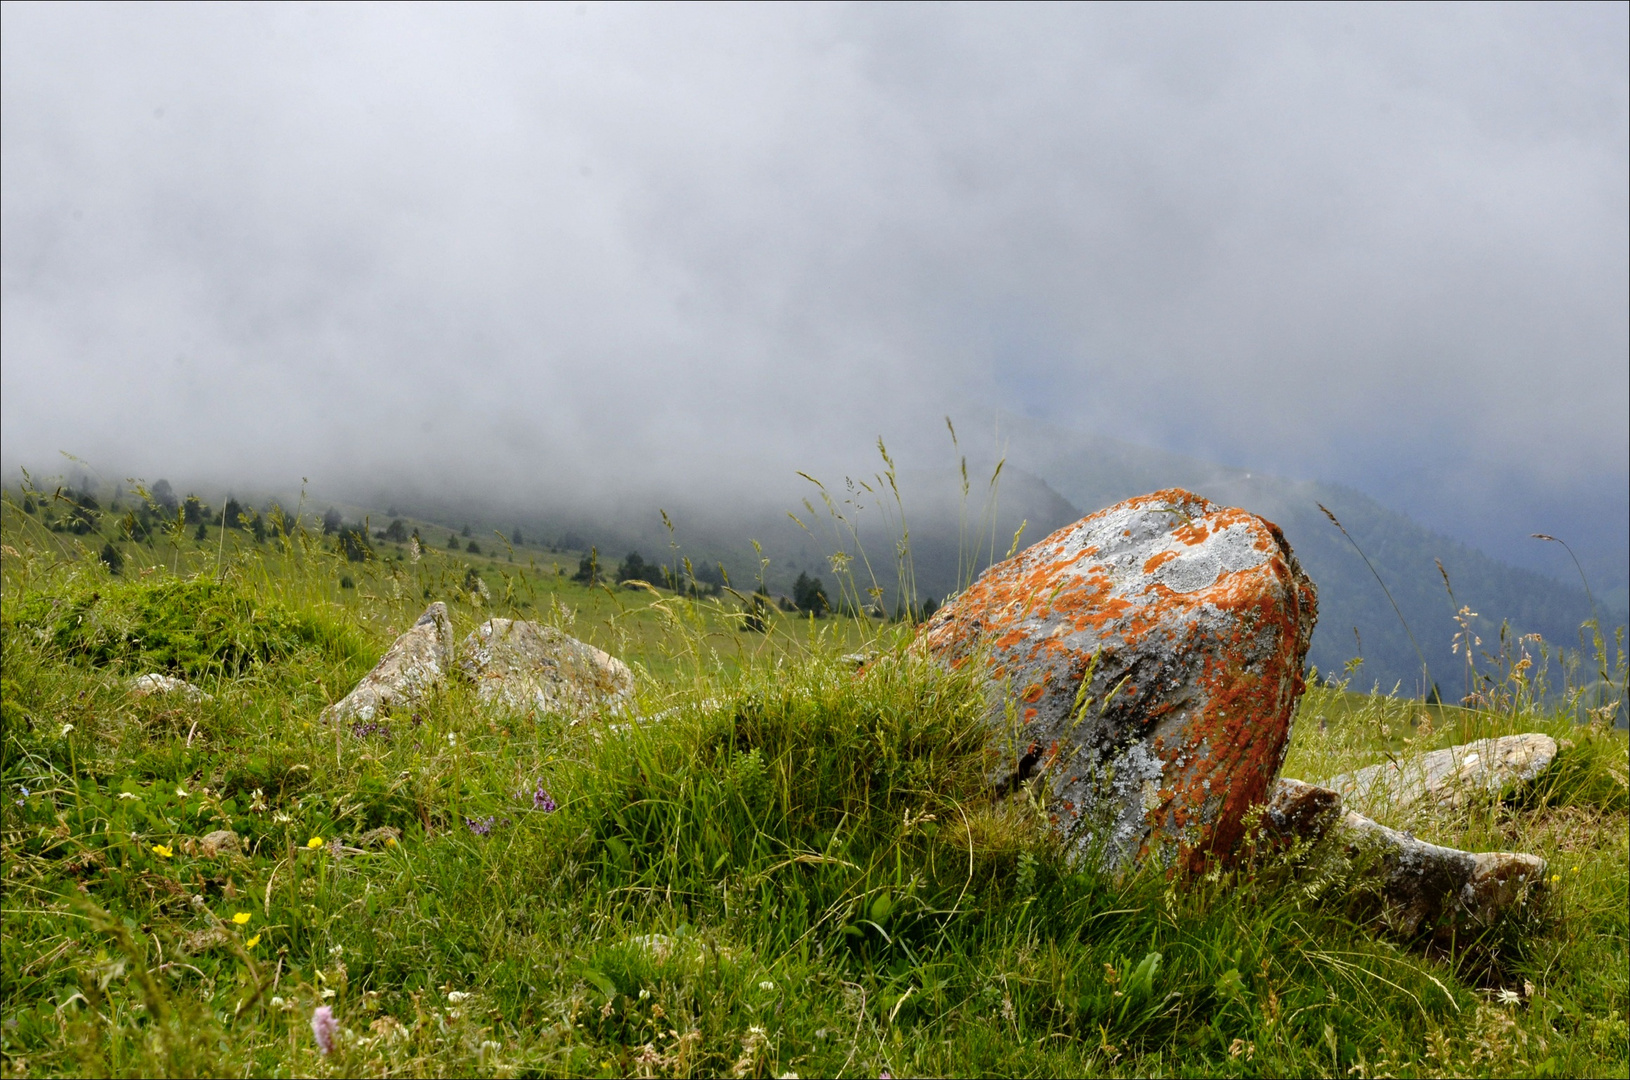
791, 864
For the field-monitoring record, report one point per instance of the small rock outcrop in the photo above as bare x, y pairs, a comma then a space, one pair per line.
154, 683
1144, 665
416, 663
524, 667
219, 842
1446, 777
513, 664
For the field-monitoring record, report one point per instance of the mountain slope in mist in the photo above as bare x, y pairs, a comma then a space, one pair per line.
1355, 617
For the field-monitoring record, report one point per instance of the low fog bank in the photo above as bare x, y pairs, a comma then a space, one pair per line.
1049, 478
600, 256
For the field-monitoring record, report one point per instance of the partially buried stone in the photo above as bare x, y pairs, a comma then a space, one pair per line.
1428, 887
521, 666
154, 683
1144, 664
1424, 886
219, 842
1297, 810
416, 663
1446, 777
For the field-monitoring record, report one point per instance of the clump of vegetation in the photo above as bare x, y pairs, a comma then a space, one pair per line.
588, 568
809, 594
790, 866
635, 568
191, 627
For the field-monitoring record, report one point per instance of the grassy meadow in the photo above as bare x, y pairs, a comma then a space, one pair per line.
794, 870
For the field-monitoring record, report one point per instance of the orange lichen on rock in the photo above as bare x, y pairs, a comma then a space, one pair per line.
1189, 623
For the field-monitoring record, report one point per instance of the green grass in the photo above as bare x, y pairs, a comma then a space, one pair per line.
795, 870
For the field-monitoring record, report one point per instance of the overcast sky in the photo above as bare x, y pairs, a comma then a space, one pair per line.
1385, 246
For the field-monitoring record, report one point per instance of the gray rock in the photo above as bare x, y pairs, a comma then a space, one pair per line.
414, 665
1430, 886
1298, 810
1446, 777
219, 842
154, 683
523, 667
1144, 664
1422, 884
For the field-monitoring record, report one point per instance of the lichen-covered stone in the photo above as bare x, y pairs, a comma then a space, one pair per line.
414, 665
1428, 887
521, 666
1188, 623
1446, 777
1424, 886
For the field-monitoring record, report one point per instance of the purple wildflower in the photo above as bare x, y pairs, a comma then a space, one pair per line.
323, 1026
542, 801
479, 826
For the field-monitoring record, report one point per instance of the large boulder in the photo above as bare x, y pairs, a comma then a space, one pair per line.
524, 667
414, 665
1144, 664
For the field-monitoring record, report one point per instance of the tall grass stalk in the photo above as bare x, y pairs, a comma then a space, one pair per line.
1426, 674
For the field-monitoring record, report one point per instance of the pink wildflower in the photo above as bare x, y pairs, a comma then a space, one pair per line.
322, 1026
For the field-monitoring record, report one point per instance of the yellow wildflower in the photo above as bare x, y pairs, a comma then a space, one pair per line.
162, 851
241, 918
252, 942
315, 842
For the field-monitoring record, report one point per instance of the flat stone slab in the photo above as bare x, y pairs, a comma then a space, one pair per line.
1425, 886
1446, 777
1432, 887
154, 683
1143, 664
524, 667
414, 665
